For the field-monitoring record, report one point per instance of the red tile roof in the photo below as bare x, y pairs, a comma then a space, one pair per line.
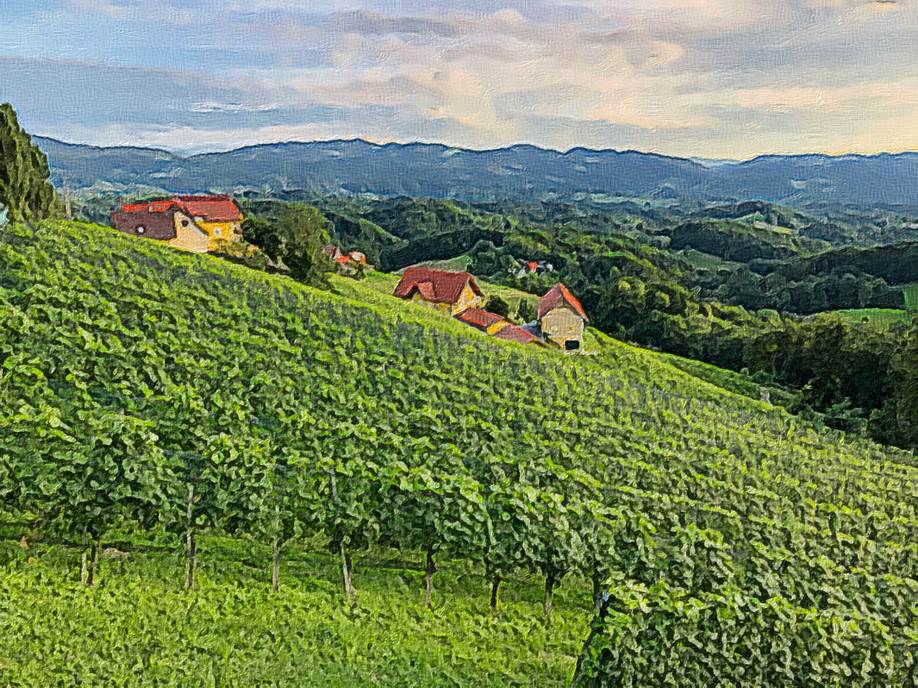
560, 295
438, 286
480, 318
158, 206
515, 333
427, 291
211, 208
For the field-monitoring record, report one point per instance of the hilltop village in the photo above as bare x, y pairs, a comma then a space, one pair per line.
207, 223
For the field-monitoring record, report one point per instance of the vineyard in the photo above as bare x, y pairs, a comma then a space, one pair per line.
146, 393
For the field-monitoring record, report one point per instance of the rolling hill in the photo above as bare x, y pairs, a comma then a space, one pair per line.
520, 173
153, 397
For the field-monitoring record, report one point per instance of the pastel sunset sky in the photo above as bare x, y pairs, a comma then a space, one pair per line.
713, 78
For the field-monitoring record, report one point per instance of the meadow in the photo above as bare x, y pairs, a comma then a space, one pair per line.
878, 317
138, 626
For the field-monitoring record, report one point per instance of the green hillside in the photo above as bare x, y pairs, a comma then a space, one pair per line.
170, 403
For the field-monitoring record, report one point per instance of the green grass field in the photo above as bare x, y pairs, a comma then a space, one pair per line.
139, 627
877, 317
458, 263
705, 261
911, 296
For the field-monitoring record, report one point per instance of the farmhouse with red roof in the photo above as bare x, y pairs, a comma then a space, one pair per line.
562, 318
448, 292
193, 223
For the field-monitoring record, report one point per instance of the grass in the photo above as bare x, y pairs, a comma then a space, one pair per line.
877, 317
911, 296
138, 627
457, 263
705, 261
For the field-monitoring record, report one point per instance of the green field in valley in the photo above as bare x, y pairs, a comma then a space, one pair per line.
879, 317
192, 411
460, 263
911, 296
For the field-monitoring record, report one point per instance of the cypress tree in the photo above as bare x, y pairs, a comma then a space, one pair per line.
24, 187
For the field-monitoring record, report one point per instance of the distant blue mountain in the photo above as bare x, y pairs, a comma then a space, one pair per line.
519, 172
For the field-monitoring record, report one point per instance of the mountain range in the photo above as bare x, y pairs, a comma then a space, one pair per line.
520, 172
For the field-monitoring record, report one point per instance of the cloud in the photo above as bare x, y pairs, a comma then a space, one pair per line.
692, 77
211, 106
375, 24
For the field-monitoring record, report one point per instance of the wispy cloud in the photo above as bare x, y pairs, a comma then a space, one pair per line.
208, 106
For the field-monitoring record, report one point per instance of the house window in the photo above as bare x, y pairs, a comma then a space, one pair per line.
184, 223
571, 345
141, 229
217, 232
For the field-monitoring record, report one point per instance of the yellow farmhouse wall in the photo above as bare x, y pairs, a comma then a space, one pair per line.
467, 299
189, 237
217, 231
562, 324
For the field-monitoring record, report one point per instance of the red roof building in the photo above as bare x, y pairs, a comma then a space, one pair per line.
449, 291
559, 295
182, 219
562, 319
482, 319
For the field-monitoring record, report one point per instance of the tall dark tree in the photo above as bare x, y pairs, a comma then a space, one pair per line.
904, 400
24, 187
296, 236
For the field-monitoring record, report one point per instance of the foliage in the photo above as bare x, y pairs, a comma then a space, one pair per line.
295, 236
497, 305
24, 186
895, 263
665, 636
736, 241
244, 253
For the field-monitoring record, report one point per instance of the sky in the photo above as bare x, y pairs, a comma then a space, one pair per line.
706, 78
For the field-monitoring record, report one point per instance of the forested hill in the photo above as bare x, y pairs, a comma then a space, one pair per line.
184, 392
518, 173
